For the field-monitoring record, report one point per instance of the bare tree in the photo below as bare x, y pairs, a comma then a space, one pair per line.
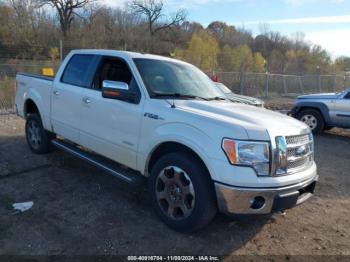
127, 24
66, 10
153, 11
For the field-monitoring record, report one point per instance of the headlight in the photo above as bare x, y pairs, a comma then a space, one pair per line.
245, 153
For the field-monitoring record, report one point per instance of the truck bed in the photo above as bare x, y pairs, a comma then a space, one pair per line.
38, 88
36, 76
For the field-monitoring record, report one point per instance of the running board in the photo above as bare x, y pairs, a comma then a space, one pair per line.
107, 165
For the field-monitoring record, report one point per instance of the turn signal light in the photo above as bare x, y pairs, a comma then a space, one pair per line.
229, 147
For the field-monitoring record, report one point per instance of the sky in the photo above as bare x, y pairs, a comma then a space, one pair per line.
324, 22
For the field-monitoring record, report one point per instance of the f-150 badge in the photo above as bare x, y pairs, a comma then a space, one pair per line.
153, 116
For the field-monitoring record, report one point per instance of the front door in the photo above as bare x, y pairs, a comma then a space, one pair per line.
342, 111
111, 127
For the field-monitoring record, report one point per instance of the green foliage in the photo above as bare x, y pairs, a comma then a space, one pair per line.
259, 63
202, 51
241, 59
32, 33
342, 64
54, 54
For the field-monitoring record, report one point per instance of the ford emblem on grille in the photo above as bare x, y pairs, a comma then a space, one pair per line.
301, 151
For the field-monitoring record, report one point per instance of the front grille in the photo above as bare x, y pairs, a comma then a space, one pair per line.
299, 152
297, 140
293, 152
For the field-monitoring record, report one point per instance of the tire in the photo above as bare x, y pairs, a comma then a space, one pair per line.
38, 138
313, 119
182, 192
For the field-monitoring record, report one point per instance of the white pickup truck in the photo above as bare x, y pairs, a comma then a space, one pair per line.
145, 116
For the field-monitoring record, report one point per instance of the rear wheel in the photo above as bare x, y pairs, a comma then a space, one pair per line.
38, 138
313, 119
182, 192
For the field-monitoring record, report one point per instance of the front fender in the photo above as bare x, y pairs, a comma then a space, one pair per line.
197, 140
323, 108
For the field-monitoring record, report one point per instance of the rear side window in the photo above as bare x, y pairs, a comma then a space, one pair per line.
347, 96
78, 70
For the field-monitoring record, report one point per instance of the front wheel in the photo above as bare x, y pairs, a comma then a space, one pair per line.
313, 119
182, 192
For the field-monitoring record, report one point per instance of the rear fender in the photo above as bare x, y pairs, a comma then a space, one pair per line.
35, 96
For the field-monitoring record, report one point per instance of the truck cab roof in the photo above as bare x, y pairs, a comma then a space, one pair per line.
124, 54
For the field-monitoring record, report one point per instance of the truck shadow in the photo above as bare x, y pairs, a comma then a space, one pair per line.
83, 211
69, 195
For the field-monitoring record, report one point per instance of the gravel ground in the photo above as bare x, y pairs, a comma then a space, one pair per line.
79, 210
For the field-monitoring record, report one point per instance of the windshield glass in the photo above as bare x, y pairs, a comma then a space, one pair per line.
175, 79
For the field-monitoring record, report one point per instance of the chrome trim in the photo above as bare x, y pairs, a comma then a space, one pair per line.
281, 155
297, 158
107, 169
284, 153
299, 145
237, 200
115, 85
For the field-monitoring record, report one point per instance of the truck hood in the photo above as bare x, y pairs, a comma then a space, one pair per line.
244, 99
259, 123
320, 96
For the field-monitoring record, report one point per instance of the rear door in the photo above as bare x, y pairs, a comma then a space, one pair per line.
342, 110
68, 94
111, 127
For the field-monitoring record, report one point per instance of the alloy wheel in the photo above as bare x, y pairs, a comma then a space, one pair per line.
34, 134
310, 120
175, 193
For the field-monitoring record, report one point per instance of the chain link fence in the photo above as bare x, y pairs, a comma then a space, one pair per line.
265, 85
262, 85
7, 80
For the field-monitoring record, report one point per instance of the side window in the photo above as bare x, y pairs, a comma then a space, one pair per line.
78, 71
113, 69
347, 96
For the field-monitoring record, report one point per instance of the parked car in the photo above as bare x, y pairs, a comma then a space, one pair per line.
144, 116
323, 111
239, 98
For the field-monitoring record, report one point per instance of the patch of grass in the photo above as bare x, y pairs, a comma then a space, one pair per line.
7, 92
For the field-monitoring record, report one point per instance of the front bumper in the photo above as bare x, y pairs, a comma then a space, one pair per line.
239, 201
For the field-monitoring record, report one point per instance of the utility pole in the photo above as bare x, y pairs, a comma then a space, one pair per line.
61, 51
318, 79
266, 79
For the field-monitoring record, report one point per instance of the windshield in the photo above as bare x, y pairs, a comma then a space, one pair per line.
223, 88
178, 80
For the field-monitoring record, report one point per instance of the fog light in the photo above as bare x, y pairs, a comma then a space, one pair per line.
257, 203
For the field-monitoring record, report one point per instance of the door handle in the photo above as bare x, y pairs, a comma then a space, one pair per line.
56, 93
87, 100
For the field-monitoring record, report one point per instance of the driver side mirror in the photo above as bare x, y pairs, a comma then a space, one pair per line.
119, 91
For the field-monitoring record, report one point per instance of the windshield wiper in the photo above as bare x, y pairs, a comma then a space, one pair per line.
216, 98
178, 95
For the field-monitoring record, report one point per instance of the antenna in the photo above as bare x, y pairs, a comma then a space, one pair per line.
172, 105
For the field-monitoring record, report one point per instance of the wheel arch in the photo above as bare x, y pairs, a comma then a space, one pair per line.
34, 103
170, 147
30, 107
320, 107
